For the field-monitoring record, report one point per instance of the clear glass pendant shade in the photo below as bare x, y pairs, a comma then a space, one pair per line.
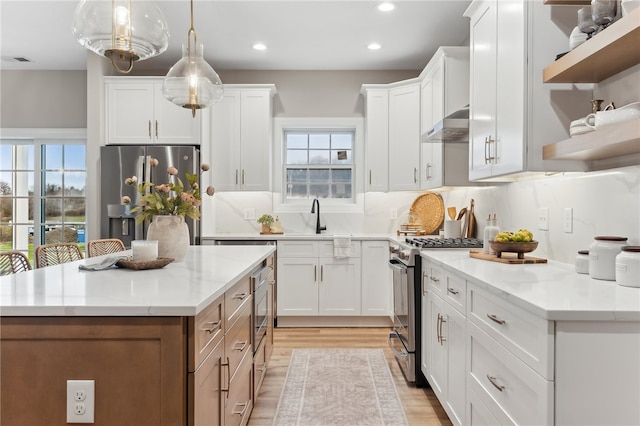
192, 83
123, 30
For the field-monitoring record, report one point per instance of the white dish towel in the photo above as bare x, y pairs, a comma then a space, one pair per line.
341, 246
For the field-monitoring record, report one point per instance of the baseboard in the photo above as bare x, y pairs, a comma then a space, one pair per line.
314, 321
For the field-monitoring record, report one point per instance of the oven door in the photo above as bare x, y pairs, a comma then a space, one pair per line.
403, 303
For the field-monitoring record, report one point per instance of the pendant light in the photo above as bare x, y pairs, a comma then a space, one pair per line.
121, 30
192, 83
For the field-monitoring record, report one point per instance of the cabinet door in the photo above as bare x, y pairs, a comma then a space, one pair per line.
225, 142
174, 125
376, 279
206, 406
425, 319
129, 113
297, 286
426, 104
377, 143
482, 122
339, 291
455, 344
432, 161
255, 140
404, 138
437, 101
436, 333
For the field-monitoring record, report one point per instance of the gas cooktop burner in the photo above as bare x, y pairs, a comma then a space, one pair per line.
432, 243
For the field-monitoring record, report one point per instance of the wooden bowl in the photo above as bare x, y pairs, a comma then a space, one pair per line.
513, 247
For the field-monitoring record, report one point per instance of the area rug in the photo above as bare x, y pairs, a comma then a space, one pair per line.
339, 387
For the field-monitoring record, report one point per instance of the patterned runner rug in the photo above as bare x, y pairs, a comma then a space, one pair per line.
339, 387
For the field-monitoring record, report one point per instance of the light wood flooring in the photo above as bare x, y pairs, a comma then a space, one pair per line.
420, 404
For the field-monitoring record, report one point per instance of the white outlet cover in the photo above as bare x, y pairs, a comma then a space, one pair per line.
543, 218
568, 220
80, 401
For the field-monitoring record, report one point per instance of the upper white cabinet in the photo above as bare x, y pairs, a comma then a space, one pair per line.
512, 113
241, 126
392, 136
138, 113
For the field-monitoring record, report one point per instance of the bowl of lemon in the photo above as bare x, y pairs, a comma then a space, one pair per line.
520, 242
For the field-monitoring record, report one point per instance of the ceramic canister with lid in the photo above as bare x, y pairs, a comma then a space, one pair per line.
602, 256
582, 262
628, 266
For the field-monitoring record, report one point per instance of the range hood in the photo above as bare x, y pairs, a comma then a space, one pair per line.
453, 128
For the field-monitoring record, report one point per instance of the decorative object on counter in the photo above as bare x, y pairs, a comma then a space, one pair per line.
103, 265
266, 220
628, 266
276, 226
144, 250
510, 258
452, 213
191, 83
158, 263
172, 234
470, 226
489, 233
452, 228
582, 262
612, 115
602, 256
116, 31
429, 209
520, 248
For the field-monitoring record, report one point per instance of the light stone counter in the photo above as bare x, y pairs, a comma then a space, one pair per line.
178, 289
550, 290
296, 236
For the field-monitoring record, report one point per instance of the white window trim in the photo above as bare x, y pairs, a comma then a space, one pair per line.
328, 205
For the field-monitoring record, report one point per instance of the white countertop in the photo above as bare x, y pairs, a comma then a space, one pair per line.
550, 290
249, 236
178, 289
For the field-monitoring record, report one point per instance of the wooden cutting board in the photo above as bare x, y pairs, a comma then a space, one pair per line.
510, 258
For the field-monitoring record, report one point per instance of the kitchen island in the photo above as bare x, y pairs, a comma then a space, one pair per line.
151, 340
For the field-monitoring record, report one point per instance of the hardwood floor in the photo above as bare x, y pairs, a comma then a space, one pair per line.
421, 406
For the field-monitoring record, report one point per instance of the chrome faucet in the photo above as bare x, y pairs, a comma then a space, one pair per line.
313, 210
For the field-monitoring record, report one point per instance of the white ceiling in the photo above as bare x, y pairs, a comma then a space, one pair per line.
300, 34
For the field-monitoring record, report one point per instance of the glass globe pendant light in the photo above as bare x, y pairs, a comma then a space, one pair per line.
121, 31
192, 83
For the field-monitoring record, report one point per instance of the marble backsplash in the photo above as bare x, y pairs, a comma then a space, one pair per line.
603, 203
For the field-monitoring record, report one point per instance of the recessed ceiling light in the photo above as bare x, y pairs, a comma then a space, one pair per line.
374, 46
386, 7
259, 46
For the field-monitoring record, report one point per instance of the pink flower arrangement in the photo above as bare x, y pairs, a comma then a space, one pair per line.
170, 198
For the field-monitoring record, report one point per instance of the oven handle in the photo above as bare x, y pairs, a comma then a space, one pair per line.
396, 265
394, 335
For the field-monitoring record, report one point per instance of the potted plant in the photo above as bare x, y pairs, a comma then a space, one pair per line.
266, 220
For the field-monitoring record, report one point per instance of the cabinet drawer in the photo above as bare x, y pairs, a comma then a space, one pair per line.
238, 341
435, 278
259, 366
239, 404
205, 405
455, 291
529, 337
477, 413
298, 249
326, 249
512, 391
235, 300
205, 331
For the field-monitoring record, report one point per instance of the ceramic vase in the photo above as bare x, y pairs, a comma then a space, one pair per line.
172, 235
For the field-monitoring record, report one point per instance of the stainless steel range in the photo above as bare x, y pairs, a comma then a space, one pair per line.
406, 264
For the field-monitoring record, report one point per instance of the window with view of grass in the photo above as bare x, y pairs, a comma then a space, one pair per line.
318, 164
42, 194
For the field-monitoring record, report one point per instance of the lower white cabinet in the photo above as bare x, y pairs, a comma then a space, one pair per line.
377, 291
310, 282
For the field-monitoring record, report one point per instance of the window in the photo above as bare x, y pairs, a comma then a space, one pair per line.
318, 164
42, 193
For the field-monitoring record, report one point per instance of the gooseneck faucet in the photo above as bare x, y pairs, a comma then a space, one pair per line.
313, 210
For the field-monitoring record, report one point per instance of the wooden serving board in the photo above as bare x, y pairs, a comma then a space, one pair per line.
511, 258
271, 233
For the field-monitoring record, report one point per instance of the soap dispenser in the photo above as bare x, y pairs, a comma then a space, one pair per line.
490, 232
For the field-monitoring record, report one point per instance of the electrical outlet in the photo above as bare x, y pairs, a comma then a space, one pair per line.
80, 401
249, 214
393, 213
543, 218
568, 220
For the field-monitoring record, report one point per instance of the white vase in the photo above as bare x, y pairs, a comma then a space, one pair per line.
172, 235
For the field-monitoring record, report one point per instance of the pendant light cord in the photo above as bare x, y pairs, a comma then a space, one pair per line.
192, 30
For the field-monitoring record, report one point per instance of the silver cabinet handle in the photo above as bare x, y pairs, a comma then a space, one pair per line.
243, 176
321, 273
213, 326
496, 319
438, 328
452, 290
226, 364
486, 146
156, 128
125, 226
369, 176
244, 406
240, 296
434, 279
236, 176
429, 171
492, 379
415, 175
240, 346
315, 273
442, 338
149, 129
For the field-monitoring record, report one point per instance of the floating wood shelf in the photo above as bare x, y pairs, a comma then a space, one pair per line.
611, 141
567, 2
609, 52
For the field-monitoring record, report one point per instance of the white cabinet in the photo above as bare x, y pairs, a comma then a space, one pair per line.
138, 113
392, 136
241, 126
444, 338
512, 113
444, 164
311, 282
377, 290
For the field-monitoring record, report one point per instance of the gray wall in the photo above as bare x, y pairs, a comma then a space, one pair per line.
43, 99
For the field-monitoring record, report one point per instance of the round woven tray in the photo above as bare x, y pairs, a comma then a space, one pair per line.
429, 209
150, 264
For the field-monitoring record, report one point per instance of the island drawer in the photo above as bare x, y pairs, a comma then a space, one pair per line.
239, 403
205, 332
238, 341
205, 402
527, 336
259, 366
235, 300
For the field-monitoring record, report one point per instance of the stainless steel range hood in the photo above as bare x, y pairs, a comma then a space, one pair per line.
453, 128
